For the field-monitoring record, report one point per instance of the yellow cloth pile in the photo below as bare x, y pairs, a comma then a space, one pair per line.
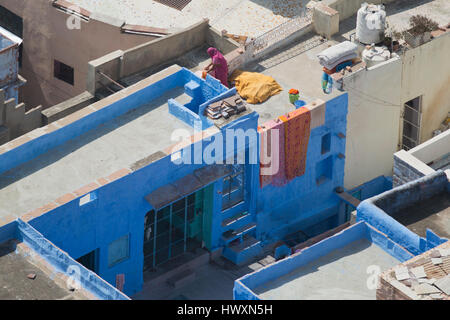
255, 87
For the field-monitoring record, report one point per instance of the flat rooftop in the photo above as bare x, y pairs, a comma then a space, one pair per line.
243, 17
296, 65
341, 274
97, 153
15, 284
399, 12
293, 66
433, 213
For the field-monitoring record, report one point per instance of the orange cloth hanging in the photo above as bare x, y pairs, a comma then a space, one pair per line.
297, 131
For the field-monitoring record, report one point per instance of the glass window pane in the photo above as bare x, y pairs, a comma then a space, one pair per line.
118, 250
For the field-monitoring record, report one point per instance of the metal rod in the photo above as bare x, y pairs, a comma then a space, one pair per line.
110, 79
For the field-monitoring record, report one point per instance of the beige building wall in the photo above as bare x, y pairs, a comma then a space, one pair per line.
426, 73
376, 102
372, 122
47, 37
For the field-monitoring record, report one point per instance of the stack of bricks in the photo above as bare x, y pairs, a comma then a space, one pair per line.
15, 121
391, 291
389, 288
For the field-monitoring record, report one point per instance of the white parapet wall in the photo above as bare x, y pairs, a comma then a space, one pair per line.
413, 164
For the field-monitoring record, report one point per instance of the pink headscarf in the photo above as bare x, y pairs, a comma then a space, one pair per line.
221, 69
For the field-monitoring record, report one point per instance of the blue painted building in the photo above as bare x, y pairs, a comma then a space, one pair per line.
9, 64
175, 198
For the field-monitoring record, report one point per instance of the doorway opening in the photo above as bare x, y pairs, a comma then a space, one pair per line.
90, 260
184, 225
412, 116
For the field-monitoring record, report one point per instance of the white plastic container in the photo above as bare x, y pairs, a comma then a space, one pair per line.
370, 23
375, 55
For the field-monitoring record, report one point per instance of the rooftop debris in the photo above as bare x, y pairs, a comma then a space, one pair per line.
421, 24
31, 276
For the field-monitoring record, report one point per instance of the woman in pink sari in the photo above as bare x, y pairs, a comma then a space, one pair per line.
218, 68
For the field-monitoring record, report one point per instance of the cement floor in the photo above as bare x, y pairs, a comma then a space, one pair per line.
95, 154
293, 66
244, 17
340, 275
14, 284
433, 213
211, 283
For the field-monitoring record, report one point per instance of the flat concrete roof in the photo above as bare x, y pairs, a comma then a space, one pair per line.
341, 275
97, 153
243, 17
294, 66
433, 213
399, 12
15, 284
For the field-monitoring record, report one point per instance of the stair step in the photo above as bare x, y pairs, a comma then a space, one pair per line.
238, 232
181, 279
233, 219
247, 243
192, 88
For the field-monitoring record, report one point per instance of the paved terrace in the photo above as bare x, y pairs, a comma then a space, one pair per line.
248, 17
97, 153
16, 266
341, 275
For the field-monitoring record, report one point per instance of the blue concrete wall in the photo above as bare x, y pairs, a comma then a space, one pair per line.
243, 286
59, 260
302, 204
203, 93
371, 188
373, 211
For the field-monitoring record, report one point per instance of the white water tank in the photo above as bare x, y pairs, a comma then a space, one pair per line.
370, 23
373, 55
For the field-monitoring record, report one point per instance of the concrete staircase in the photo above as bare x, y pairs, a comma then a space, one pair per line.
240, 252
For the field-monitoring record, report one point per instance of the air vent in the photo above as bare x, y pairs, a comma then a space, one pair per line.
176, 4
